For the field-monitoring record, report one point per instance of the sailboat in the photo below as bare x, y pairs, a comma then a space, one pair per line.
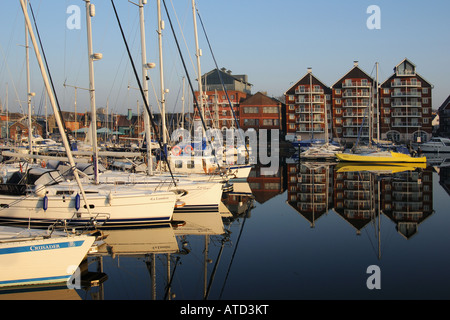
32, 257
207, 159
42, 197
375, 155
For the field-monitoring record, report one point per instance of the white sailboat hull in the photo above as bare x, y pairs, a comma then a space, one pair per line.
109, 207
42, 261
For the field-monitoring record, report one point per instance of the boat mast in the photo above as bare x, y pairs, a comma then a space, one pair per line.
90, 12
378, 108
161, 76
198, 53
145, 66
53, 103
29, 93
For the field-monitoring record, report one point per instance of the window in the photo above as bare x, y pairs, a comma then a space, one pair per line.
190, 164
425, 100
386, 91
178, 164
425, 90
291, 107
386, 100
250, 109
270, 109
338, 91
338, 101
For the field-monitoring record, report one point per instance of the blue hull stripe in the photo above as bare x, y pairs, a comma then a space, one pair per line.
44, 247
36, 280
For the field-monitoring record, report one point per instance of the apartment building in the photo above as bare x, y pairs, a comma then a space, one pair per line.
352, 97
308, 105
220, 107
405, 105
261, 112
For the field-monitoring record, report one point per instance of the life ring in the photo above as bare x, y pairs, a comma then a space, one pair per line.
176, 151
43, 164
188, 149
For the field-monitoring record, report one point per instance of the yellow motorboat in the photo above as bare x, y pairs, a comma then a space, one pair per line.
380, 157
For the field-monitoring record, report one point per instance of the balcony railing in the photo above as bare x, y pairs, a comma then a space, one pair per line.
406, 104
407, 114
416, 94
356, 84
307, 91
406, 83
406, 124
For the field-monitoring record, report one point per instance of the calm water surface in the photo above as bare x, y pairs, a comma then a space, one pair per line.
309, 232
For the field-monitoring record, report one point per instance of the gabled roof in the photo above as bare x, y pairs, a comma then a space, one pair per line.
213, 77
260, 99
354, 73
422, 79
445, 104
405, 61
305, 80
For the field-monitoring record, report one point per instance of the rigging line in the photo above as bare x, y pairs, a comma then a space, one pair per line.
234, 252
143, 95
13, 83
189, 80
48, 70
184, 39
221, 80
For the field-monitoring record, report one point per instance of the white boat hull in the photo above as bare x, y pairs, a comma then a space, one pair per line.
109, 207
42, 261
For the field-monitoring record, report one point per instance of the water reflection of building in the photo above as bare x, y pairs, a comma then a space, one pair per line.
265, 187
353, 192
408, 200
309, 188
354, 197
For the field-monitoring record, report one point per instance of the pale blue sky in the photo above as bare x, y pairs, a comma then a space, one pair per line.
273, 42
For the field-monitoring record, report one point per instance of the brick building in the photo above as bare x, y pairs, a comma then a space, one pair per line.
308, 104
353, 96
216, 102
261, 112
405, 105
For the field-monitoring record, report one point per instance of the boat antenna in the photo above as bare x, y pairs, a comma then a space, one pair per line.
142, 92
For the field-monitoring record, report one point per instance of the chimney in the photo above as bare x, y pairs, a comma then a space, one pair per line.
355, 63
309, 70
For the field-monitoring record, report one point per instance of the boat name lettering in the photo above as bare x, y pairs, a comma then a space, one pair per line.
45, 247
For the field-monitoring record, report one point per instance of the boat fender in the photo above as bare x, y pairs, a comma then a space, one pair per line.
45, 203
110, 198
77, 201
43, 164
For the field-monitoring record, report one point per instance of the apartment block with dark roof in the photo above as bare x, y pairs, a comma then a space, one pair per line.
352, 98
406, 105
308, 109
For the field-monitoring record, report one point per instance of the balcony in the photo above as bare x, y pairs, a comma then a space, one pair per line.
354, 115
406, 104
307, 100
356, 94
406, 114
406, 94
307, 91
406, 83
356, 84
406, 124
